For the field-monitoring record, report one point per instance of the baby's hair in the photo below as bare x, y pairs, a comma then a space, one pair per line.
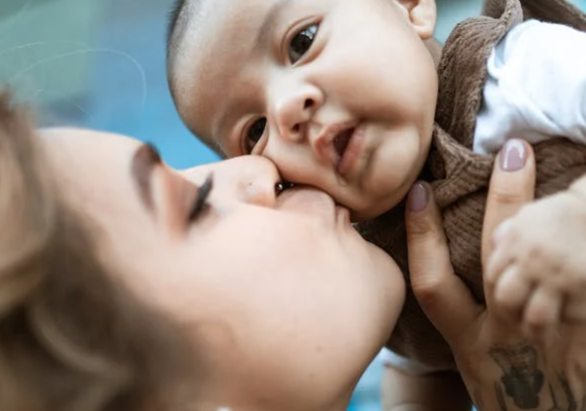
71, 337
175, 27
182, 14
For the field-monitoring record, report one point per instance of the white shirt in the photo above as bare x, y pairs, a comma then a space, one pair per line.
536, 87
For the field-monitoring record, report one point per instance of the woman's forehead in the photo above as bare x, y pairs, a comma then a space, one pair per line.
88, 162
84, 142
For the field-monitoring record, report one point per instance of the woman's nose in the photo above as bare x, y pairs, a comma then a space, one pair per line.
258, 181
294, 109
246, 179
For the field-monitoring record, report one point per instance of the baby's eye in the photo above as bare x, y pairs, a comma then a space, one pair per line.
254, 134
301, 42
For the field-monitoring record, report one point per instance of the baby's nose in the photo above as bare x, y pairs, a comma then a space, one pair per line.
294, 109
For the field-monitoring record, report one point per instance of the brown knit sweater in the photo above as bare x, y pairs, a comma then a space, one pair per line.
458, 176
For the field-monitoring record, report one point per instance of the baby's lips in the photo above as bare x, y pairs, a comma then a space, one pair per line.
330, 143
324, 150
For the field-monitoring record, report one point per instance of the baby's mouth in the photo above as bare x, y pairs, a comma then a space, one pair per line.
341, 141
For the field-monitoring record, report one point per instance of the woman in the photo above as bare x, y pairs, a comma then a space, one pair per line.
71, 337
126, 285
246, 275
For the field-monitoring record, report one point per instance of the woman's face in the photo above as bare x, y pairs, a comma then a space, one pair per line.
281, 296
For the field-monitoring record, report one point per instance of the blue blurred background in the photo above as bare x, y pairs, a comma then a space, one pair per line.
100, 64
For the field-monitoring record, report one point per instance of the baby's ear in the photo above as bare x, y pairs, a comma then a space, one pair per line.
422, 15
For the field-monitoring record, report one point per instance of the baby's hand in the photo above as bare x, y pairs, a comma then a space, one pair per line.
537, 272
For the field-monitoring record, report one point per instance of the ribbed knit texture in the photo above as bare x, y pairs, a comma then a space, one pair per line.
459, 177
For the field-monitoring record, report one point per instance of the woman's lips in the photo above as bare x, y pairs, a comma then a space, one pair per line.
349, 145
305, 199
311, 201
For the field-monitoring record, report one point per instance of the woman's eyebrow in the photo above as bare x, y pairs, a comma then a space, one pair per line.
145, 159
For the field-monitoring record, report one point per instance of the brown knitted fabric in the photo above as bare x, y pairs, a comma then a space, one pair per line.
458, 176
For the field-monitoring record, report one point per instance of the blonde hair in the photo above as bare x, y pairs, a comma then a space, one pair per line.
71, 339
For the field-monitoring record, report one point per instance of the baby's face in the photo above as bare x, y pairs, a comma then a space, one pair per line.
340, 94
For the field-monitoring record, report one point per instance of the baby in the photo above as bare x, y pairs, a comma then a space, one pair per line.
344, 95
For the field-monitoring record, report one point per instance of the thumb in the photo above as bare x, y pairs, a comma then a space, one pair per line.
446, 300
512, 185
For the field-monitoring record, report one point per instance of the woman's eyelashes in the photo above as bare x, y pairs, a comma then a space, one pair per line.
200, 203
301, 43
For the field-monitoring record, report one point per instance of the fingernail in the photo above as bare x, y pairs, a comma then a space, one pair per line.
418, 197
513, 156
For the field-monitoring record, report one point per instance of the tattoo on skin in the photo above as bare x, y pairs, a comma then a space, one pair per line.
524, 383
521, 378
572, 406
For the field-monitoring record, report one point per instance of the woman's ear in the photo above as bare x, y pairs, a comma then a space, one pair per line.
422, 15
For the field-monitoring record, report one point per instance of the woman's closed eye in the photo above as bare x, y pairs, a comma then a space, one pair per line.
200, 203
301, 43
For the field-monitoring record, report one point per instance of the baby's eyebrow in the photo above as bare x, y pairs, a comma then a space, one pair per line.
268, 25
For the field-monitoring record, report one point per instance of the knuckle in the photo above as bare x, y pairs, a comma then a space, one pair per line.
508, 233
428, 292
424, 230
507, 196
534, 250
490, 284
506, 303
419, 226
536, 320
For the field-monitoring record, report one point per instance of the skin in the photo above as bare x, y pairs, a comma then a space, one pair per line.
537, 279
502, 366
536, 274
251, 279
367, 69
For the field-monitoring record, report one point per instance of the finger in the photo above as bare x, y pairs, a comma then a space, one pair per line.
512, 184
542, 312
502, 231
442, 295
498, 262
574, 311
511, 293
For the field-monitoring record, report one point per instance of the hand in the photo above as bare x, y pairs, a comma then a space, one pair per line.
537, 272
501, 368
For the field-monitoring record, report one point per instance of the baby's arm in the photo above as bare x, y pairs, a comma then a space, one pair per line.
537, 272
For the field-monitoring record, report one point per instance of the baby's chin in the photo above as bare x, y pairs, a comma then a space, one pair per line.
373, 209
377, 196
369, 205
